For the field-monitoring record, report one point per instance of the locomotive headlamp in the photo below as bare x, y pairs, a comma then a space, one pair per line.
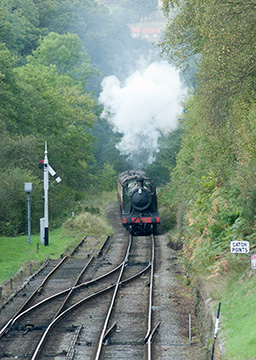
140, 191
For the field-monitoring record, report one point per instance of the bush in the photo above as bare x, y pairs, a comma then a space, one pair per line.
13, 199
88, 224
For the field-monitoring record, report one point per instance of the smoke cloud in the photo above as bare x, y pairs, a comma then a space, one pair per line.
145, 106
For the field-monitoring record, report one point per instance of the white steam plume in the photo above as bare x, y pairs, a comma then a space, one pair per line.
145, 106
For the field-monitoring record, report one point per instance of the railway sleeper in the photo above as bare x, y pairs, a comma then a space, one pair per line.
138, 263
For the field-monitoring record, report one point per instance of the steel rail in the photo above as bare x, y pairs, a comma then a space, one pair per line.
77, 246
20, 311
62, 314
148, 336
74, 306
73, 287
50, 326
100, 252
12, 321
49, 275
150, 339
103, 332
17, 316
3, 330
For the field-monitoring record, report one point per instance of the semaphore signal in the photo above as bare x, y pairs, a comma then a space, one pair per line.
47, 169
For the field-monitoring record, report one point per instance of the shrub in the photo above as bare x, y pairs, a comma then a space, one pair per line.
88, 224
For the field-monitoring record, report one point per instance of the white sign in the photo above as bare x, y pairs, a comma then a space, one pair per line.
253, 261
240, 247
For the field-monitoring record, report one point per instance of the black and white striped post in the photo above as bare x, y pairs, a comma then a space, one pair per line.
215, 331
47, 169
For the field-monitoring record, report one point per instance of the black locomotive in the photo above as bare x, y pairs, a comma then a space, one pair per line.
138, 202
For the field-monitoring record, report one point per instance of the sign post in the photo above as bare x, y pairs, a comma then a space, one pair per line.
215, 331
47, 169
28, 188
46, 188
253, 261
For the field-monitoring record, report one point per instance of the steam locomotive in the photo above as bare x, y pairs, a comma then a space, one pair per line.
136, 195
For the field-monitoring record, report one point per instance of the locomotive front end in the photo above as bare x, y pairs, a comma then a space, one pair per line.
138, 202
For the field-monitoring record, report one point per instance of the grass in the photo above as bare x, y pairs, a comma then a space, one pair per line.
16, 254
237, 318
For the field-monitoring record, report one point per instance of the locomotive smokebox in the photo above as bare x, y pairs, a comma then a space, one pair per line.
141, 199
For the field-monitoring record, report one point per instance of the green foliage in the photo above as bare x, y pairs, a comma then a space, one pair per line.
13, 211
211, 223
212, 186
107, 179
46, 49
106, 40
39, 103
215, 166
66, 53
18, 152
106, 151
11, 98
19, 26
169, 147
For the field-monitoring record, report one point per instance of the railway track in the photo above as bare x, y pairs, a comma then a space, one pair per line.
68, 317
127, 312
97, 313
40, 328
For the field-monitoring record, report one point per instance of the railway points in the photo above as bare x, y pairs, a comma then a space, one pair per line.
69, 316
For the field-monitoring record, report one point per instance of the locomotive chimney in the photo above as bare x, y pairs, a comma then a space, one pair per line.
140, 183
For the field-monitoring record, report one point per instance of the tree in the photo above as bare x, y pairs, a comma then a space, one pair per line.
66, 53
106, 151
169, 147
10, 93
19, 26
213, 176
59, 110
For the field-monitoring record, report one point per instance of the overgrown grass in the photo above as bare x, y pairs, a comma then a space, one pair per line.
89, 223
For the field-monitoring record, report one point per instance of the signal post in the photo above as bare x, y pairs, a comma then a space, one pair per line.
47, 169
